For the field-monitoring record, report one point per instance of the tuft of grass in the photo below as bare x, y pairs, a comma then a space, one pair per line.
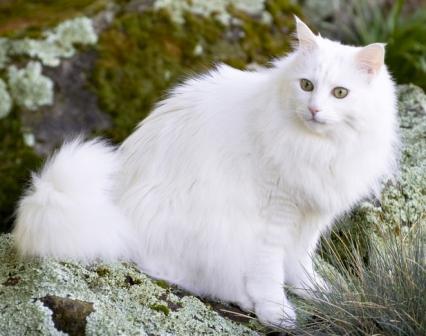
387, 296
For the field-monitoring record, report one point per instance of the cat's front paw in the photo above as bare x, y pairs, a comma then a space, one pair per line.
276, 315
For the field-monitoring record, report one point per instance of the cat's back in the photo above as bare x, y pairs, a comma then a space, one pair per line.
201, 128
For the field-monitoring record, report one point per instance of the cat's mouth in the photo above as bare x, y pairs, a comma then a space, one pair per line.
312, 124
315, 121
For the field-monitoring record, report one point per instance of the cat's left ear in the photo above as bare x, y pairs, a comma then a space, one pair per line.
371, 58
306, 38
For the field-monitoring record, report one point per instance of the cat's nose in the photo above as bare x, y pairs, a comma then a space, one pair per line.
313, 109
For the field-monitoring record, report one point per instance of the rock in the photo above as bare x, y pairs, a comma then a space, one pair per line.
75, 108
403, 204
51, 297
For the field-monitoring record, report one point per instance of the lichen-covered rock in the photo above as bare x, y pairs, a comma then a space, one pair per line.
49, 297
217, 8
403, 204
57, 43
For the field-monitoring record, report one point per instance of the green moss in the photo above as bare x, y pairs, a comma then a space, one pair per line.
5, 100
19, 17
162, 284
142, 55
161, 308
17, 160
102, 271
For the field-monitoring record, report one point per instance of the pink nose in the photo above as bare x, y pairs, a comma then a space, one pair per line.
314, 110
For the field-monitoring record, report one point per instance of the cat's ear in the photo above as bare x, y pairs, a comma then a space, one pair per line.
305, 37
371, 58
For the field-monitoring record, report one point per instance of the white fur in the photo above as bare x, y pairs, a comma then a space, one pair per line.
227, 186
69, 211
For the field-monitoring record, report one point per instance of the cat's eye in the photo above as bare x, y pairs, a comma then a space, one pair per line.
340, 92
306, 85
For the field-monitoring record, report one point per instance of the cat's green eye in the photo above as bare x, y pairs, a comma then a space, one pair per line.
306, 85
340, 92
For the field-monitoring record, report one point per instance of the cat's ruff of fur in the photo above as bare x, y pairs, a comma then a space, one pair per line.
227, 186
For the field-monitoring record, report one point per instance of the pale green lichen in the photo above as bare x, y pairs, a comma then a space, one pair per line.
57, 43
125, 301
403, 205
217, 8
5, 100
28, 87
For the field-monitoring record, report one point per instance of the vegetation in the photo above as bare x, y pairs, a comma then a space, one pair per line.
17, 160
385, 296
399, 24
142, 55
19, 17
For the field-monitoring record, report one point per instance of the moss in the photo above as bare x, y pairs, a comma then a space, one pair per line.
162, 284
161, 308
5, 100
17, 160
23, 17
102, 271
142, 55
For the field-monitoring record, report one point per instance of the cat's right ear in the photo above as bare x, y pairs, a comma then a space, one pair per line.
305, 37
371, 58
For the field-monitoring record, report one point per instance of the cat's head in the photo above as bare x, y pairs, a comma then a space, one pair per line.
334, 86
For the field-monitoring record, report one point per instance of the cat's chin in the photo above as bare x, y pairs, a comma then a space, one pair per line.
314, 126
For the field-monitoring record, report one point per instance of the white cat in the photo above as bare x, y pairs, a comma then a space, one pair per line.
227, 186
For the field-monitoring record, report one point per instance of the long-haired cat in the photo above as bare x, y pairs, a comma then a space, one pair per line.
227, 186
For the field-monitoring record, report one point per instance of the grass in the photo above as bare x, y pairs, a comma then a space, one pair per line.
385, 296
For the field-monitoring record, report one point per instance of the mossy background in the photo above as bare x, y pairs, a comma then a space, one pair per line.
139, 56
29, 18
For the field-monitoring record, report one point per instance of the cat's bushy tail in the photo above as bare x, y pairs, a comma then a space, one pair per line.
69, 212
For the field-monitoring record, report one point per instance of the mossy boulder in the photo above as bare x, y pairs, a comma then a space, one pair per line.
48, 297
